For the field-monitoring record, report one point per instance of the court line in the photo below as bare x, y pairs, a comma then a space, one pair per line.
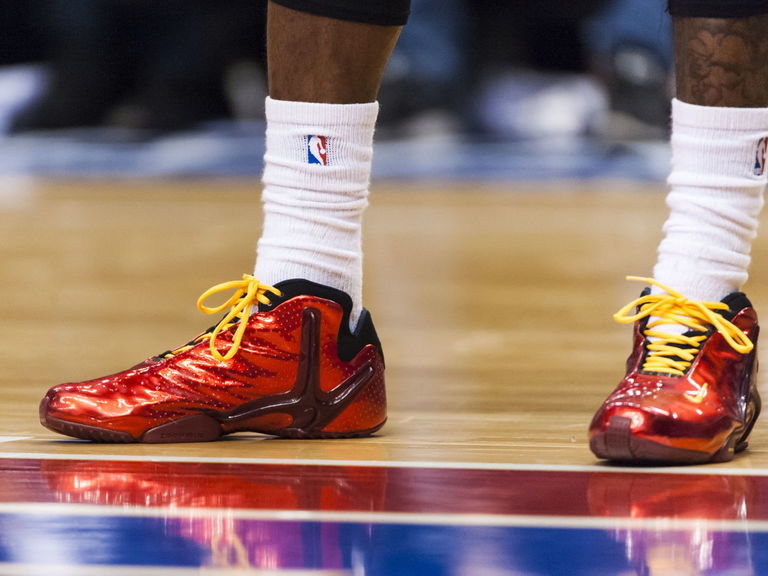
409, 518
703, 470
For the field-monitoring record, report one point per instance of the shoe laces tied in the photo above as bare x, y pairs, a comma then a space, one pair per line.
673, 353
247, 292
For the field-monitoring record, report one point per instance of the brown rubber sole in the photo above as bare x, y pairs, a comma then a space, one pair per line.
195, 428
618, 444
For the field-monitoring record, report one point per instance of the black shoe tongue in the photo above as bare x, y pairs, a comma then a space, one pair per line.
688, 333
349, 342
736, 301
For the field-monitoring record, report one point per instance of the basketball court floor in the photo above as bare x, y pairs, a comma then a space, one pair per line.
494, 304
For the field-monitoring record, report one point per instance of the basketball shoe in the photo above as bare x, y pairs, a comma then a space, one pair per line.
686, 398
282, 361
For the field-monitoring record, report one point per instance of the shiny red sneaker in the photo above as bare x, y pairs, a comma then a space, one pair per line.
687, 398
292, 368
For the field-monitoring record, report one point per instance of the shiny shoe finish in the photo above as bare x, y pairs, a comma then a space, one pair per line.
688, 398
291, 369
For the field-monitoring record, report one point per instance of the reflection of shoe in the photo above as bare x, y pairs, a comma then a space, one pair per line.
699, 497
217, 486
686, 398
291, 369
679, 547
202, 503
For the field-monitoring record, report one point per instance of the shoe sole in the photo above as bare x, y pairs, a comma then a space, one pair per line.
312, 409
618, 444
195, 428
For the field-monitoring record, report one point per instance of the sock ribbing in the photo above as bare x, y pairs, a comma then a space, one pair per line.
716, 194
316, 176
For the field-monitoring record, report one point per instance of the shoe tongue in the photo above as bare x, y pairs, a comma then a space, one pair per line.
735, 301
676, 329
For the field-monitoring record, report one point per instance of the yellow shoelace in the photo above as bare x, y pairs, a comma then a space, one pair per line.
248, 292
673, 353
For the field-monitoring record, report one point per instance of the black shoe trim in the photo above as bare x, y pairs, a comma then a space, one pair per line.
736, 302
350, 342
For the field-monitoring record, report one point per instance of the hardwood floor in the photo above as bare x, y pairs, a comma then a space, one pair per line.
494, 304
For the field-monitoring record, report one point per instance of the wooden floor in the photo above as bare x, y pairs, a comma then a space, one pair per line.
493, 302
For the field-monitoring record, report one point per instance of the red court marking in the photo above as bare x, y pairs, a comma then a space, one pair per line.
380, 489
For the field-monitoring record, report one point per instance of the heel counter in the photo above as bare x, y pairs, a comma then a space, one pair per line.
367, 412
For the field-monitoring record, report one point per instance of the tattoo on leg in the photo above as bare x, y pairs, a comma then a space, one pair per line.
722, 62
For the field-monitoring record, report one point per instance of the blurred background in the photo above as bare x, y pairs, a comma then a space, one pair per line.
475, 89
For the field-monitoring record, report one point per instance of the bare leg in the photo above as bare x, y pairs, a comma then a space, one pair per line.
718, 128
324, 77
317, 59
722, 62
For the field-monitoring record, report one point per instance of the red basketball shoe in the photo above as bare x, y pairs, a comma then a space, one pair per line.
292, 368
686, 398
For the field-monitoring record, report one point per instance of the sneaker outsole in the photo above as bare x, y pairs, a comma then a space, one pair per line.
196, 428
619, 445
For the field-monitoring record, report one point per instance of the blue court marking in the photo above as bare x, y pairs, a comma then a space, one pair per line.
380, 549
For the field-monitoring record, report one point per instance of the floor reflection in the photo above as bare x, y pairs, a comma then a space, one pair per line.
214, 517
701, 501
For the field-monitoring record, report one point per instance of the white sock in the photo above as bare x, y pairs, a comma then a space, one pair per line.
316, 175
717, 183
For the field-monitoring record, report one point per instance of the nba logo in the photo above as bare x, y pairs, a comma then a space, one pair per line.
762, 146
317, 150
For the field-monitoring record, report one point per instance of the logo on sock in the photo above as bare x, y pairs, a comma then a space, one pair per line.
317, 150
762, 148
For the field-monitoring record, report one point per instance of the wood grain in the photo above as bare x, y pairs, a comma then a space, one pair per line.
493, 301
